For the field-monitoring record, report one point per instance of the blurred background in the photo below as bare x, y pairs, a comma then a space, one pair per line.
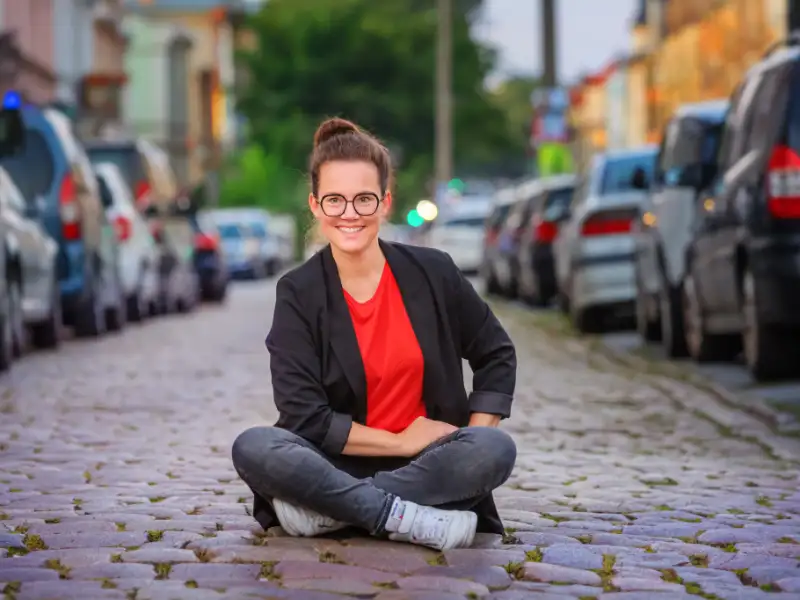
634, 163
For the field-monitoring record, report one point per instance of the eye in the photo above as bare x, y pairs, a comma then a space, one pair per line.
366, 199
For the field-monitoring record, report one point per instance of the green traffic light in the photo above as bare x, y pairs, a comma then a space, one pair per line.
414, 219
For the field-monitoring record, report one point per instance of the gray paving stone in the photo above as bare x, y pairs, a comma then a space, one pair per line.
23, 574
558, 574
442, 584
494, 578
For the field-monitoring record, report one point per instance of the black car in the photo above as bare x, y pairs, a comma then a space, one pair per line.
742, 285
209, 262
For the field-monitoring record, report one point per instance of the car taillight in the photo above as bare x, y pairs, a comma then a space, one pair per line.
122, 226
611, 223
69, 209
545, 231
783, 183
491, 236
205, 242
142, 192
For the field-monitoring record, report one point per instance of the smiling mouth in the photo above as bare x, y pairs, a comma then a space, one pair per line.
350, 229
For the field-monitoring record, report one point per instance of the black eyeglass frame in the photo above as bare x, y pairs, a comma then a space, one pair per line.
321, 203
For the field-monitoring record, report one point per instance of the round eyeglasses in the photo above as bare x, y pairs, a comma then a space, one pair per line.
335, 205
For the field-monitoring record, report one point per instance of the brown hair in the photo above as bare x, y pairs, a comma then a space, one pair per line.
339, 139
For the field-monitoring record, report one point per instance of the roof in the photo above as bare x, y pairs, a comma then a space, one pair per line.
711, 110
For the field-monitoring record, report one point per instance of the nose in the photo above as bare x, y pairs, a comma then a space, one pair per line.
350, 212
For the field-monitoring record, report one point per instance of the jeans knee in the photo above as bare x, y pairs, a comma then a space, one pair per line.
497, 448
253, 447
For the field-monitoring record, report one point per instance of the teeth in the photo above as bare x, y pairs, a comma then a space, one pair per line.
350, 229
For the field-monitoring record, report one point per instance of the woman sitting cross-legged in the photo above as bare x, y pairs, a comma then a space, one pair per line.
376, 429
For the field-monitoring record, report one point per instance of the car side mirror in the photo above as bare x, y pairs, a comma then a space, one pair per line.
12, 131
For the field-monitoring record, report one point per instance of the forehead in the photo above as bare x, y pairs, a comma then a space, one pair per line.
348, 177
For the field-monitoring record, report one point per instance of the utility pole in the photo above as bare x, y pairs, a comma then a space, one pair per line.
550, 70
444, 93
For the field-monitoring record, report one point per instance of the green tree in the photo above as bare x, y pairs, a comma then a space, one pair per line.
372, 62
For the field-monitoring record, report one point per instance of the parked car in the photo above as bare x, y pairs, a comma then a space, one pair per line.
742, 282
594, 249
179, 282
138, 254
459, 232
209, 263
53, 165
144, 166
551, 199
33, 302
685, 165
493, 259
506, 265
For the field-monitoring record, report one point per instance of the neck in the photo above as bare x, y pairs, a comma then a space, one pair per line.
366, 263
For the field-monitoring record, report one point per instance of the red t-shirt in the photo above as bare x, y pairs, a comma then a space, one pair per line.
393, 362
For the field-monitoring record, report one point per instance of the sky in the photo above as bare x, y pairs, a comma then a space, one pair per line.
512, 26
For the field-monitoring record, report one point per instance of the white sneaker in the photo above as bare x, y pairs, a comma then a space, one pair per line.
432, 527
303, 522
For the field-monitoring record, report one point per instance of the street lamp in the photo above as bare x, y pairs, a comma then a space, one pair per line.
427, 210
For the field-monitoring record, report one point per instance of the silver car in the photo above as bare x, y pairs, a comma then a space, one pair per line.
594, 250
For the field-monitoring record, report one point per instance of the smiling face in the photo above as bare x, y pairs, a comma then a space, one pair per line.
349, 206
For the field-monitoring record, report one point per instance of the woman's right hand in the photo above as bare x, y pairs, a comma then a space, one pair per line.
422, 433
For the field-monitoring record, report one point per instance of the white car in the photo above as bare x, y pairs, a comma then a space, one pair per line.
138, 253
594, 248
459, 231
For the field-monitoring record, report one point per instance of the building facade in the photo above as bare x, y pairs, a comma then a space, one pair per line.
617, 106
200, 80
27, 50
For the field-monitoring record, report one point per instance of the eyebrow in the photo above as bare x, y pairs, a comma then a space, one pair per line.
356, 194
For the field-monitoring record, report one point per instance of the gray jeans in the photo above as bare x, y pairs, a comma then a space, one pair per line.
457, 472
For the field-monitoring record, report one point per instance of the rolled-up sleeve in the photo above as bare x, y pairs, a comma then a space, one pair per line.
487, 347
296, 371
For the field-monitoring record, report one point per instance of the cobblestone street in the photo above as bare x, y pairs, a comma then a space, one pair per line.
116, 481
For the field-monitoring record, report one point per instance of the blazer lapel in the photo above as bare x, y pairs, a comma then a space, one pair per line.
420, 304
342, 334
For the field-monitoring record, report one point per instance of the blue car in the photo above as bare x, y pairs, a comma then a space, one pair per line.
73, 215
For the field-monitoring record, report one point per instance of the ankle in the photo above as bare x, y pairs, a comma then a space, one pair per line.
399, 510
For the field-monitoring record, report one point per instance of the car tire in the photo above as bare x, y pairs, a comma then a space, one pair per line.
135, 308
6, 338
649, 330
702, 345
771, 353
90, 318
48, 334
16, 318
670, 307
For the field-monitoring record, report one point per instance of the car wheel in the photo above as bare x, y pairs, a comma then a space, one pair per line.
90, 318
16, 318
6, 337
48, 333
702, 345
771, 353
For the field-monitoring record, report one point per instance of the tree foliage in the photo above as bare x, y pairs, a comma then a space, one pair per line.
374, 63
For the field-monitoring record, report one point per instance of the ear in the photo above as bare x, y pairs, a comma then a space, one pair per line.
386, 205
313, 205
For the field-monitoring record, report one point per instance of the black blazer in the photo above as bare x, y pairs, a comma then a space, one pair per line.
317, 374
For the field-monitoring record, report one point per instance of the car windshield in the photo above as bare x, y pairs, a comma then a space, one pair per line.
618, 172
229, 231
258, 229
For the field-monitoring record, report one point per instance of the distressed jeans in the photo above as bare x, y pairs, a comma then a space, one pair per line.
456, 473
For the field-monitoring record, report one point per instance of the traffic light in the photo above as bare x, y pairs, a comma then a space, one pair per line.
414, 218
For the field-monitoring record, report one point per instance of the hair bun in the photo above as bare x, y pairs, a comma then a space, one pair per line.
331, 128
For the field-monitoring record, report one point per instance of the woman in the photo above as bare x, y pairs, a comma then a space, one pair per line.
375, 429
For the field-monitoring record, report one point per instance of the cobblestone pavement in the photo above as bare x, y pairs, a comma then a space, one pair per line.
116, 482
